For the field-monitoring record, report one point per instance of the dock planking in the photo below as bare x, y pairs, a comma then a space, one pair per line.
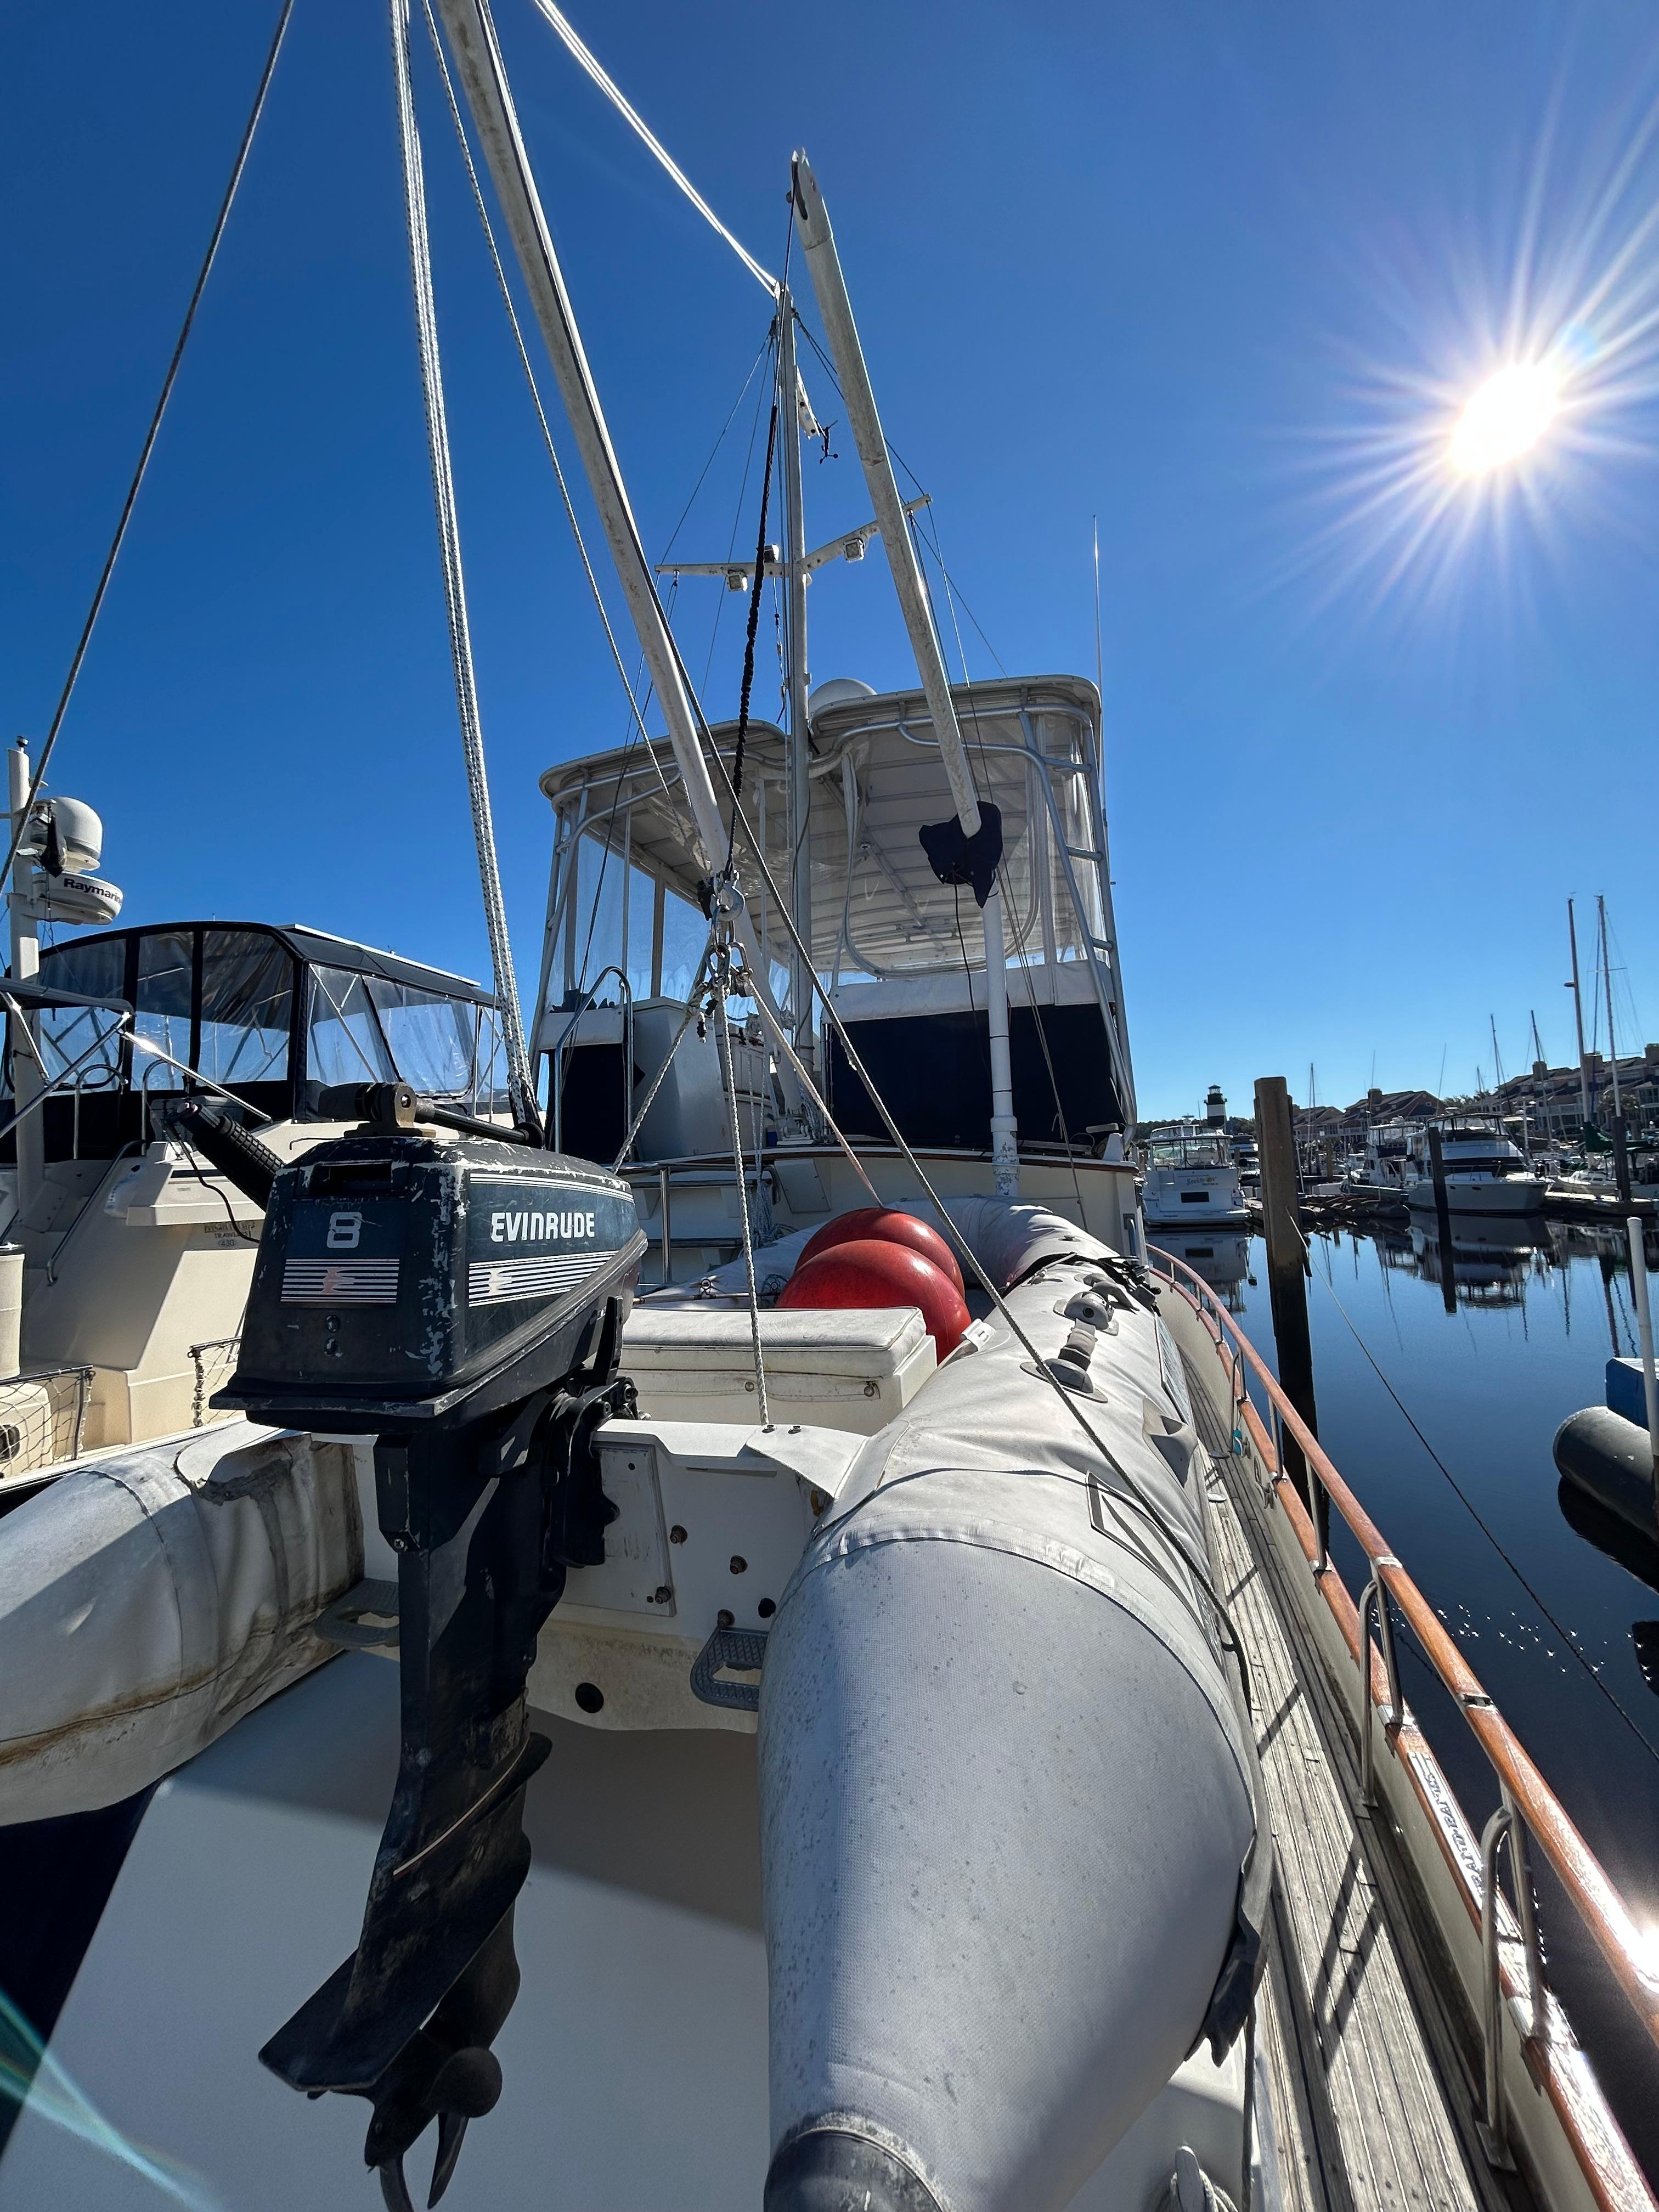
1373, 2106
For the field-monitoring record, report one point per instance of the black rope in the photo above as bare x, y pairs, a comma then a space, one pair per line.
757, 585
167, 382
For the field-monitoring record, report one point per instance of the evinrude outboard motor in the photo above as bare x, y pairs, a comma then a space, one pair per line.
462, 1300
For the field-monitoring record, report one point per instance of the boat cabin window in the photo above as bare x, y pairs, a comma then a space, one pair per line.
246, 1008
166, 961
371, 1029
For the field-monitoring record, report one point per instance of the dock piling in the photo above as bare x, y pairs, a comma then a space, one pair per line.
1287, 1282
1621, 1160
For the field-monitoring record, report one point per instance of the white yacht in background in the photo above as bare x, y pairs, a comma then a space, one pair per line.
1191, 1178
1383, 1163
1485, 1171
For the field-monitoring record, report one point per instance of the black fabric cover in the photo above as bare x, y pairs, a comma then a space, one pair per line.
934, 1071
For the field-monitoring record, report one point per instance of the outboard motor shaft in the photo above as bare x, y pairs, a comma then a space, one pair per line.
463, 1302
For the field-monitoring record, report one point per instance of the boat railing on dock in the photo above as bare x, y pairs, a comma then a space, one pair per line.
1493, 1949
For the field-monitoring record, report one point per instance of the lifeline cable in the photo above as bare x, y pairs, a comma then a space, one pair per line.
1470, 1506
449, 547
167, 382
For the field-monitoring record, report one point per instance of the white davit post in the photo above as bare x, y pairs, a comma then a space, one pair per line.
489, 100
824, 265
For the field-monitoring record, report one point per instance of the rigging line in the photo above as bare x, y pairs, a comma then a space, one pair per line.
1470, 1506
530, 377
723, 1038
150, 436
951, 584
1148, 1509
736, 512
829, 367
607, 842
584, 56
756, 588
449, 547
765, 348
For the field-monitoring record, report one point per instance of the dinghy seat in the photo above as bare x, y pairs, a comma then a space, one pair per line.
851, 1369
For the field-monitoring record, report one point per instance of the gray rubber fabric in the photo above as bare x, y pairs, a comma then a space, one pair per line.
1003, 1799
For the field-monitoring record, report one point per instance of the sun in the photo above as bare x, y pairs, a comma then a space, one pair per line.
1505, 418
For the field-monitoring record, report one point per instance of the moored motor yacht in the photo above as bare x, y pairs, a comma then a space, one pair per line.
1485, 1172
1191, 1178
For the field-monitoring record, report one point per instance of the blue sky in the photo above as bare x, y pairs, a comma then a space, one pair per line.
1202, 270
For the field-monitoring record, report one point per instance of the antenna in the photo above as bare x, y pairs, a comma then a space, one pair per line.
1100, 665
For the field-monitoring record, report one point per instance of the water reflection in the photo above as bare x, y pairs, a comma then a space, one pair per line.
1498, 1262
1221, 1258
1493, 1262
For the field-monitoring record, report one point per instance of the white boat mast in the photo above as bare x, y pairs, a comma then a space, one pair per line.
1578, 1017
830, 286
1606, 978
490, 100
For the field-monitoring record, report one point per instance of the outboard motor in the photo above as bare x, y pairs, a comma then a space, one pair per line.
462, 1300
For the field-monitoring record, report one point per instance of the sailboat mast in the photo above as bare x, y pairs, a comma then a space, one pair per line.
1578, 1017
800, 754
1606, 978
830, 287
489, 100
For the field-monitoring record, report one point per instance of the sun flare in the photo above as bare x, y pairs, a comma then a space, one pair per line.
1505, 418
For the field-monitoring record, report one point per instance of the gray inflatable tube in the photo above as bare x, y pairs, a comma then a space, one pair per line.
1007, 1803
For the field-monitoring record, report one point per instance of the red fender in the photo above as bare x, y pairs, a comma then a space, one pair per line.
870, 1273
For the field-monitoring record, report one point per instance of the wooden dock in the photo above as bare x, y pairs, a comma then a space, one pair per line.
1375, 2105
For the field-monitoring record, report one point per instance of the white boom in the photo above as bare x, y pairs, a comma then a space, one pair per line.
829, 284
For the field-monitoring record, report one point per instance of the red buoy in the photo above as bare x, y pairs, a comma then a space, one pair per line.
869, 1273
890, 1226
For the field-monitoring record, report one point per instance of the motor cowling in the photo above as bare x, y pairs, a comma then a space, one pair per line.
404, 1278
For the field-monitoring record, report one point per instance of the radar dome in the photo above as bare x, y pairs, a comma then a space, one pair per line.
837, 691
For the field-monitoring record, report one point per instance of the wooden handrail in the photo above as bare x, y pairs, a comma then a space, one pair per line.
1635, 1962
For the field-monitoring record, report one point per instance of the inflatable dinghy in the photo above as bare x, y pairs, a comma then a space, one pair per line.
1009, 1829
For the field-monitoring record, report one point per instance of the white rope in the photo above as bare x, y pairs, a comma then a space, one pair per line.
536, 396
449, 545
637, 124
728, 1071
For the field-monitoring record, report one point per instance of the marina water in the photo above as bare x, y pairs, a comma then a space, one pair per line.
1538, 1309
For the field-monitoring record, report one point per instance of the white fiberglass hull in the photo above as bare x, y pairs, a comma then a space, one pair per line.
1520, 1193
1193, 1198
